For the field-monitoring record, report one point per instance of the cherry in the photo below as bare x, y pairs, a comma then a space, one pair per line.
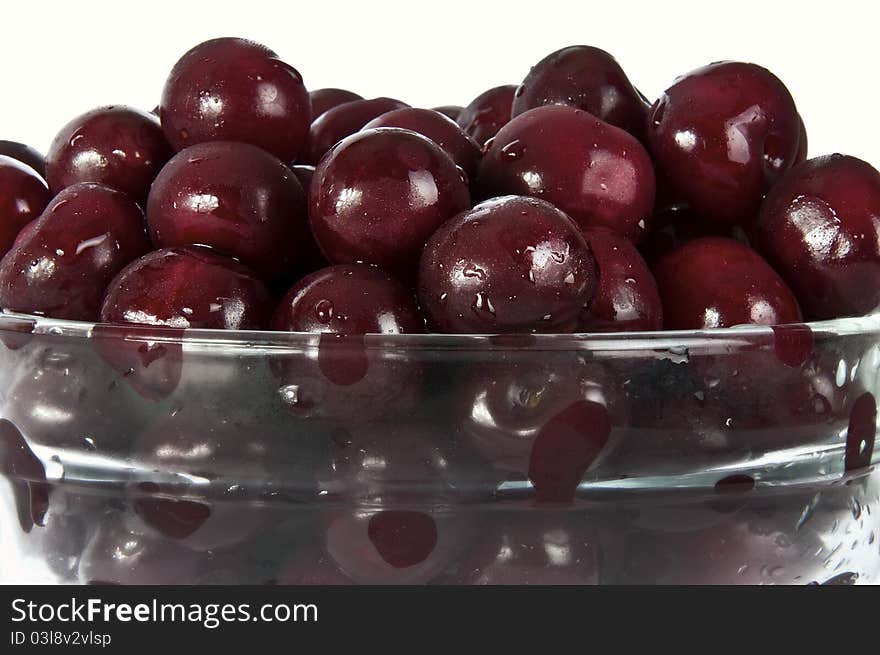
189, 444
451, 111
587, 78
233, 197
395, 478
121, 147
236, 90
25, 154
487, 113
68, 398
23, 197
723, 135
512, 264
547, 420
325, 99
187, 287
344, 378
595, 172
87, 234
344, 120
716, 282
379, 195
117, 555
820, 228
442, 130
348, 299
626, 298
541, 547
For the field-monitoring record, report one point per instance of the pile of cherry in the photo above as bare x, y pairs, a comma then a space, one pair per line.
566, 204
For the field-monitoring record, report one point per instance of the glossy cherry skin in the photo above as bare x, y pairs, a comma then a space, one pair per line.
587, 78
121, 147
547, 421
23, 197
231, 89
511, 264
187, 287
344, 120
379, 195
343, 378
87, 234
594, 172
348, 299
820, 228
723, 135
25, 154
325, 99
534, 547
451, 111
627, 298
442, 130
234, 197
487, 113
716, 282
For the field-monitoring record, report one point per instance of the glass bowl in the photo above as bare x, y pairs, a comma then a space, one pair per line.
140, 455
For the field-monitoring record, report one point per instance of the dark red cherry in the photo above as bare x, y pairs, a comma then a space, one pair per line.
511, 264
117, 555
235, 198
393, 480
545, 420
87, 234
716, 282
820, 228
121, 147
487, 113
191, 444
452, 111
25, 154
379, 195
236, 90
587, 78
348, 299
325, 99
723, 135
23, 197
344, 120
442, 130
342, 377
187, 287
532, 548
594, 172
626, 298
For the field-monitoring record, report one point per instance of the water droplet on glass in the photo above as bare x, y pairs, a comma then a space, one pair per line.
89, 443
54, 469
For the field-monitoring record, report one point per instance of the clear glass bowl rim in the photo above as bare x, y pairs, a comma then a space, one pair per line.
861, 326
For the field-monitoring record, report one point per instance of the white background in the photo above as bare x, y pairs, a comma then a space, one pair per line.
62, 58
